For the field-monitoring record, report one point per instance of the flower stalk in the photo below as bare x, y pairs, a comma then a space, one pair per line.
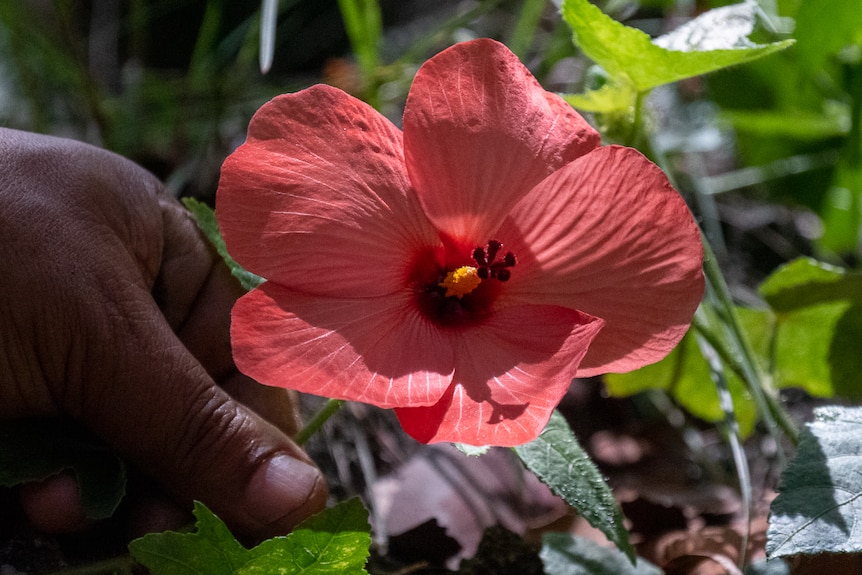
328, 409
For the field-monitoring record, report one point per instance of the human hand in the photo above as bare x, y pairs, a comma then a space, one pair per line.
115, 312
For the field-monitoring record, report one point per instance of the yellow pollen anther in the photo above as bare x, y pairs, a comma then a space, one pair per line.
461, 281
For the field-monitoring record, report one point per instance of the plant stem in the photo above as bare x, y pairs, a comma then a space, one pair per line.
328, 410
635, 137
743, 472
771, 411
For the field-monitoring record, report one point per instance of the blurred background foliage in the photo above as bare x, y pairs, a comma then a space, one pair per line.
770, 151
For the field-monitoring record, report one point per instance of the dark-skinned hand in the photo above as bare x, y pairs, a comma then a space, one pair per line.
114, 311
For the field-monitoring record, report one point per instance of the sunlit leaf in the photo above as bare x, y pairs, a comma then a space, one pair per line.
819, 506
631, 57
685, 376
818, 327
558, 460
607, 99
566, 554
333, 542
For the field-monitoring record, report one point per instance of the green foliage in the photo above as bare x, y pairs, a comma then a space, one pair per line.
35, 449
566, 554
808, 339
824, 29
684, 374
558, 460
798, 106
818, 327
206, 220
818, 507
637, 64
364, 25
334, 542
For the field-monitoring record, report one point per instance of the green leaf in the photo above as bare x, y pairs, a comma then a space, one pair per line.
841, 210
806, 125
684, 374
631, 57
559, 461
333, 542
35, 449
819, 506
824, 28
806, 282
364, 24
566, 554
610, 98
818, 327
206, 220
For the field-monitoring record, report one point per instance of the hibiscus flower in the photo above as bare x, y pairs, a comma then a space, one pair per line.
462, 271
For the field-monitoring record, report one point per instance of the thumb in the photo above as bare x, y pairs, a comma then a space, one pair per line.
143, 387
164, 413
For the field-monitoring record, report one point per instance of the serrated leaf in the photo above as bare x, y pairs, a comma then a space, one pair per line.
35, 449
566, 554
333, 542
558, 460
211, 550
819, 505
631, 57
206, 221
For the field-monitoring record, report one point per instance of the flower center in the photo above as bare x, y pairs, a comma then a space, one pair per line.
461, 281
489, 266
462, 296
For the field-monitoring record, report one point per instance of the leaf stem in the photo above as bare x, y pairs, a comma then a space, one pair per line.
743, 472
771, 411
318, 419
635, 136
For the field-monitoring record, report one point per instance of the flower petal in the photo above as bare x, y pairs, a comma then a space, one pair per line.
373, 350
509, 378
608, 235
480, 132
318, 199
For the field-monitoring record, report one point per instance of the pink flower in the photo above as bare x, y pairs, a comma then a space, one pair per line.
462, 272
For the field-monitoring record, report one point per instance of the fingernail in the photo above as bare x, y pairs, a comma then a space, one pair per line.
280, 488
